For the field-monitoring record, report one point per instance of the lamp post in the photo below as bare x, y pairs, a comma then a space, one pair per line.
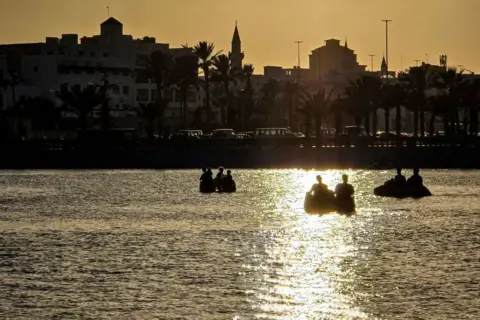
386, 43
298, 58
298, 42
371, 60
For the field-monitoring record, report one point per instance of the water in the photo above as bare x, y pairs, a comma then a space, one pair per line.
146, 244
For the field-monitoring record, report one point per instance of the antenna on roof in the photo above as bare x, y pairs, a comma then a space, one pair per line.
108, 12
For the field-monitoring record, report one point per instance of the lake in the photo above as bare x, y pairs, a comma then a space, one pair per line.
147, 244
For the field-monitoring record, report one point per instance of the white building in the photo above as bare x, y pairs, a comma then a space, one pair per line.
44, 67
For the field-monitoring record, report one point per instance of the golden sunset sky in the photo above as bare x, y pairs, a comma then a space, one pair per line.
268, 28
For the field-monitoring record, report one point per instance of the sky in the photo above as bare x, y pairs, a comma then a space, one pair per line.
421, 29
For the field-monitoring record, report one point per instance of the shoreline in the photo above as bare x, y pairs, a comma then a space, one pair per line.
248, 158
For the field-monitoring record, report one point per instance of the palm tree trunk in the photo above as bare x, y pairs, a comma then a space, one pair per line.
415, 123
387, 120
338, 123
422, 123
457, 121
207, 98
181, 112
318, 130
473, 122
227, 111
374, 121
290, 113
446, 125
83, 122
366, 123
398, 120
431, 125
185, 109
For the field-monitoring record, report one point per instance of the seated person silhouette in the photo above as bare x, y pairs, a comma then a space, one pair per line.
229, 177
319, 188
399, 178
415, 180
220, 174
344, 190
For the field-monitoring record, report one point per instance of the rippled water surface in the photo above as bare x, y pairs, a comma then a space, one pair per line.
146, 244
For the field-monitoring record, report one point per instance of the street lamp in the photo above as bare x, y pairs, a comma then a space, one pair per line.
386, 44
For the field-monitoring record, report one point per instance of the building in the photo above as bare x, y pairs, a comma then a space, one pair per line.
334, 65
44, 67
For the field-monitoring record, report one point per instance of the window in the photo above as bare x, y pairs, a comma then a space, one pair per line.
35, 69
81, 53
191, 96
153, 95
142, 60
106, 55
126, 90
142, 95
92, 54
168, 95
178, 97
116, 89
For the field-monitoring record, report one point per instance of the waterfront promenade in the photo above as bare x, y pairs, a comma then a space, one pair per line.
244, 153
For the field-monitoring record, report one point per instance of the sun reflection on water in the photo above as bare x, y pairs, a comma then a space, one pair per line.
309, 259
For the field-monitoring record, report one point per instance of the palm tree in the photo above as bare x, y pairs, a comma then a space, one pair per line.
12, 82
246, 95
316, 106
452, 82
363, 99
42, 112
269, 101
419, 79
205, 54
224, 73
149, 113
159, 68
393, 97
83, 101
291, 92
471, 101
185, 76
338, 107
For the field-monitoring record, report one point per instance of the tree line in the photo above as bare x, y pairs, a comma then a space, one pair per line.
427, 92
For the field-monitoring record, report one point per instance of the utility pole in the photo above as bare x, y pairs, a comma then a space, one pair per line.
298, 42
386, 43
108, 12
386, 71
298, 57
371, 60
426, 55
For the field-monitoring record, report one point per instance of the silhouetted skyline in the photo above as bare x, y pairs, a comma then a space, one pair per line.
268, 32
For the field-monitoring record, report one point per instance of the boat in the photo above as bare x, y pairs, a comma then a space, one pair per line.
392, 190
328, 204
218, 186
207, 188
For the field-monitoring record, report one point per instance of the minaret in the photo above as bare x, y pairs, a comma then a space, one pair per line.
383, 68
236, 55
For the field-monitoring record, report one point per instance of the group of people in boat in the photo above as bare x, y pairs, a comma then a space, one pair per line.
221, 182
343, 190
400, 187
415, 180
